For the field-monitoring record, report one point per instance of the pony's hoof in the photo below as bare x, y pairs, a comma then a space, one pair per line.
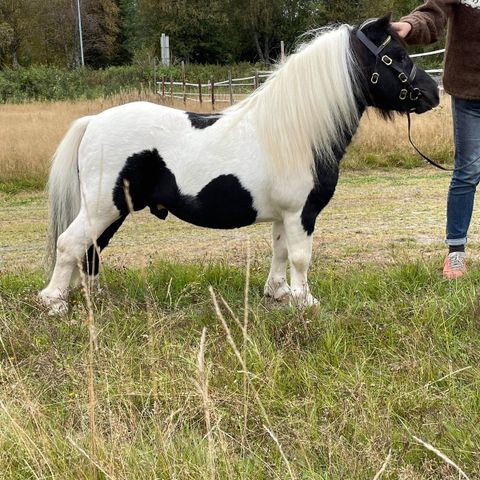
55, 305
304, 300
279, 293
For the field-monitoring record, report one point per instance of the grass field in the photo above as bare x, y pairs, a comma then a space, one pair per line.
146, 379
391, 354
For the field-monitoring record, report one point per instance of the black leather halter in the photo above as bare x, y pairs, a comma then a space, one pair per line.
408, 90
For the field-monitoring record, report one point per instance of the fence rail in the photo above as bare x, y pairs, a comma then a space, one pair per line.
230, 90
224, 91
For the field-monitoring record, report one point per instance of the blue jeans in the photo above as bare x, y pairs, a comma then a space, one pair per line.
466, 121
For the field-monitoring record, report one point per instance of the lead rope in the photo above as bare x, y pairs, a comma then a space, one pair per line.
430, 161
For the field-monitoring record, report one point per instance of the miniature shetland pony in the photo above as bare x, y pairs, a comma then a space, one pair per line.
274, 157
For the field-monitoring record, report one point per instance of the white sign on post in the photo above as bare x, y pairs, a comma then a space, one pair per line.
165, 49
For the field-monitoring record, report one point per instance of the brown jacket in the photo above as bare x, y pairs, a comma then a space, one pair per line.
462, 58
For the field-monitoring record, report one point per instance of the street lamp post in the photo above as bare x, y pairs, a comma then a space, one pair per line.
82, 59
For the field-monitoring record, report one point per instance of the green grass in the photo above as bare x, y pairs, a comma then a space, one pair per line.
21, 185
391, 352
358, 159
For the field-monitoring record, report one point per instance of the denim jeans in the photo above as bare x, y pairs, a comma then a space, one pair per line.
466, 121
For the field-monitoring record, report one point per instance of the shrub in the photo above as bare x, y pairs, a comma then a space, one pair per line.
42, 83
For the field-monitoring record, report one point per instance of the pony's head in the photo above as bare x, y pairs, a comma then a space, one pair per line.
392, 82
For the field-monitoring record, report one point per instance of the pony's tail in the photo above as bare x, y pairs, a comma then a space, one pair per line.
64, 185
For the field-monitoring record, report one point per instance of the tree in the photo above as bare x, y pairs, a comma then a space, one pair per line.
100, 21
55, 38
12, 16
127, 38
6, 39
265, 23
200, 31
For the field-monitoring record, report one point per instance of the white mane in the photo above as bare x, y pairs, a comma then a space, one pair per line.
308, 104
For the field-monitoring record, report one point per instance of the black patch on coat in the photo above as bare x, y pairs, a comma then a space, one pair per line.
203, 120
222, 203
326, 179
320, 196
160, 213
91, 262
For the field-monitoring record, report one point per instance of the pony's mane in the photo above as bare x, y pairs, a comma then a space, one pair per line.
307, 107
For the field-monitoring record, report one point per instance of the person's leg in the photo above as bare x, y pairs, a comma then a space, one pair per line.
465, 178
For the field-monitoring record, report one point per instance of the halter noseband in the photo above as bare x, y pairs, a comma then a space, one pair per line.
409, 90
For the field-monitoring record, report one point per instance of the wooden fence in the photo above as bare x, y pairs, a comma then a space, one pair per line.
225, 92
233, 89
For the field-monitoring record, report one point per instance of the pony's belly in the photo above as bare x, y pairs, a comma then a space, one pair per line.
223, 203
145, 180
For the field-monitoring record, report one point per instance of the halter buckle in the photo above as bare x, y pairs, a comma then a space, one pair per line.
375, 78
387, 60
387, 41
415, 95
403, 94
403, 78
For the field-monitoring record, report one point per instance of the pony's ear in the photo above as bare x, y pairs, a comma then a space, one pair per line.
384, 22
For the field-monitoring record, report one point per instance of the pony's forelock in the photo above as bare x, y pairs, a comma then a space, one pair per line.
308, 106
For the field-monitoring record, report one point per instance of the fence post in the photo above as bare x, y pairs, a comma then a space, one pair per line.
163, 86
282, 51
200, 91
230, 86
212, 84
155, 86
183, 81
257, 80
171, 89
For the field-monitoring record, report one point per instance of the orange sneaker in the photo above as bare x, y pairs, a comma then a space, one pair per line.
455, 265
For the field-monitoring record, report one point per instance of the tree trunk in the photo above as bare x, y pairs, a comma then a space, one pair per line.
266, 50
257, 45
13, 52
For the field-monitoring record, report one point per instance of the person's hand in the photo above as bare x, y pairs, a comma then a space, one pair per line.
402, 28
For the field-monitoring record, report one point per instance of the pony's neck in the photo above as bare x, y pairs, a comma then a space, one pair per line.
340, 148
308, 103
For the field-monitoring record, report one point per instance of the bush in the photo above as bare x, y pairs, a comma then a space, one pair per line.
41, 83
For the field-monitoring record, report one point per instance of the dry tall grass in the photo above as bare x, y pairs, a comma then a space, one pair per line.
31, 132
386, 143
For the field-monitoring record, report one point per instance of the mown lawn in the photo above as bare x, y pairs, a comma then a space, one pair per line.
117, 392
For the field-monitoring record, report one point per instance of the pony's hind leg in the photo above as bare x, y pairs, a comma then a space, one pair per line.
91, 261
277, 286
71, 247
299, 244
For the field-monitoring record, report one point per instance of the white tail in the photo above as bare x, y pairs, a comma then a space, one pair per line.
64, 185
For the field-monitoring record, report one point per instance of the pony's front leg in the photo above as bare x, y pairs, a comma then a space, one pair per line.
299, 244
277, 286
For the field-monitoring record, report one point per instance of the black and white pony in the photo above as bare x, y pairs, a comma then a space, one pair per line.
274, 157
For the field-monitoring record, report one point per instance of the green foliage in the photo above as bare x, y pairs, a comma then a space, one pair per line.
213, 31
54, 83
